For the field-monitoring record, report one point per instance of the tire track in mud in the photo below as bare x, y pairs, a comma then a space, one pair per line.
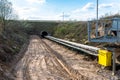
40, 62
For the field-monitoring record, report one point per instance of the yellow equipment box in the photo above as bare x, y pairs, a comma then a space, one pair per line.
104, 57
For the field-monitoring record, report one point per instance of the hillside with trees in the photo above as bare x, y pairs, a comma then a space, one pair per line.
12, 37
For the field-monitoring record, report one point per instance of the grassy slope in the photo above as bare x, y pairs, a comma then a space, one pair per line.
73, 31
11, 41
38, 26
17, 33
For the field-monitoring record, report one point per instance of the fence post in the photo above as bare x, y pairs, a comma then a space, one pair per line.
89, 31
114, 63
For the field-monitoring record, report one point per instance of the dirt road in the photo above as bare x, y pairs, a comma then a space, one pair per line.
45, 60
41, 63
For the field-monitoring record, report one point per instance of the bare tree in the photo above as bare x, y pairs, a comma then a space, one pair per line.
5, 12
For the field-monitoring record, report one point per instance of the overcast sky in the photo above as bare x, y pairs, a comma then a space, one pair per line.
73, 9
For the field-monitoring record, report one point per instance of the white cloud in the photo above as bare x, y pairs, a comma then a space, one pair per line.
24, 12
34, 17
88, 6
84, 13
38, 10
89, 10
36, 1
106, 5
64, 15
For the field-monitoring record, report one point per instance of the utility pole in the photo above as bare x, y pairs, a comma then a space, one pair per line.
97, 9
97, 20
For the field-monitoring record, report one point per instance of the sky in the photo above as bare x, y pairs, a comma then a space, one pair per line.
79, 10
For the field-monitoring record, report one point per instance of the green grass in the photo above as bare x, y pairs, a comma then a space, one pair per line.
73, 31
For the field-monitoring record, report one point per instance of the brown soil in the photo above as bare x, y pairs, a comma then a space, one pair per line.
40, 62
85, 65
46, 60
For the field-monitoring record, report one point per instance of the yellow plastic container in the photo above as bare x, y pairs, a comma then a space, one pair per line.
104, 57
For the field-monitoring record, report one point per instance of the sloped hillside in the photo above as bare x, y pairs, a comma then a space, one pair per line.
77, 31
11, 41
73, 31
38, 26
